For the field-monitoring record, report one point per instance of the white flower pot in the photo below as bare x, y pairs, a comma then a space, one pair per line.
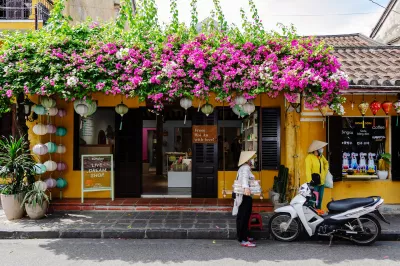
36, 212
382, 174
12, 206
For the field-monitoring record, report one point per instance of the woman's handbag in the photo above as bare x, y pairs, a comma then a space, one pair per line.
315, 179
233, 193
329, 180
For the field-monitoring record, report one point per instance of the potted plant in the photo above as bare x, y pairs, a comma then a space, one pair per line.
36, 202
383, 165
16, 170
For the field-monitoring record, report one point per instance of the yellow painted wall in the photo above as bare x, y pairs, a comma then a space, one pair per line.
344, 189
19, 25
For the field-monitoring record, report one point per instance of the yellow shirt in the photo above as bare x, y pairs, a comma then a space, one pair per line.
313, 167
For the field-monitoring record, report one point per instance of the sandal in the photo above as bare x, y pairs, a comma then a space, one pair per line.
247, 244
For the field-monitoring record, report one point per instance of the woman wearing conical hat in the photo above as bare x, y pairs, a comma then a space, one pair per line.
243, 202
316, 168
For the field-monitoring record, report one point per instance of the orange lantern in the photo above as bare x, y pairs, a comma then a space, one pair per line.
375, 106
387, 107
363, 108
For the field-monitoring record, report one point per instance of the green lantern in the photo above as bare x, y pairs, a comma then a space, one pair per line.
51, 147
40, 168
207, 109
61, 183
48, 102
121, 109
61, 131
39, 109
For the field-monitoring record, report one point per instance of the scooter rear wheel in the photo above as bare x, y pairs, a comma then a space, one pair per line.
278, 224
371, 227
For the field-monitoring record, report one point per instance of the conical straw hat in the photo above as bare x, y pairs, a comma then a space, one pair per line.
245, 156
316, 145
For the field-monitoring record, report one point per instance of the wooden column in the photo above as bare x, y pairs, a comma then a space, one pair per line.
159, 146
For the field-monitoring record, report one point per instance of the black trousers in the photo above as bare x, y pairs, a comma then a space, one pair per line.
243, 217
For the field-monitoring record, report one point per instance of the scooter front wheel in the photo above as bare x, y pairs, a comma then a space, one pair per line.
280, 228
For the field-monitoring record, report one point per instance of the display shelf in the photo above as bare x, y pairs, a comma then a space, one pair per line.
250, 133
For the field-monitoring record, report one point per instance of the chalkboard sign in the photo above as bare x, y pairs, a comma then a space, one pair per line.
97, 173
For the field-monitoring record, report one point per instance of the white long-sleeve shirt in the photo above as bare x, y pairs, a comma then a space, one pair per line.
244, 176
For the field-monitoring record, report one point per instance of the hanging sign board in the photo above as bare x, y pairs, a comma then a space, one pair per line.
97, 172
204, 134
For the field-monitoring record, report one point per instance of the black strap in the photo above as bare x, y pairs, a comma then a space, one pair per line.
320, 166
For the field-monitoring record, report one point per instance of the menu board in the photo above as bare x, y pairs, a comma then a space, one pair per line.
359, 139
204, 134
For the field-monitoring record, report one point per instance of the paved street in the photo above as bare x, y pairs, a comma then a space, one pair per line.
191, 252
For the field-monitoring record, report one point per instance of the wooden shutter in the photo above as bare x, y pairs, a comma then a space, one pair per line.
334, 148
6, 124
205, 161
270, 138
395, 149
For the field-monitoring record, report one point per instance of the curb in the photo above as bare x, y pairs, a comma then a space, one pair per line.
214, 234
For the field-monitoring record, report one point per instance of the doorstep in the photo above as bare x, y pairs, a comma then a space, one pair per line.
155, 204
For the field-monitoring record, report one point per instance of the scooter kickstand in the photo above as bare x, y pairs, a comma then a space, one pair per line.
330, 240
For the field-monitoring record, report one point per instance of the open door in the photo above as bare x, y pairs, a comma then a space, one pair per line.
205, 161
395, 149
128, 154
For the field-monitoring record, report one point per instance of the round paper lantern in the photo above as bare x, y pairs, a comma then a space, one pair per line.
240, 100
375, 106
82, 109
207, 109
61, 131
50, 165
249, 108
40, 185
185, 104
48, 102
51, 147
238, 111
51, 182
61, 112
40, 149
51, 129
121, 109
363, 108
40, 129
61, 166
61, 183
61, 149
39, 168
39, 109
53, 111
387, 107
92, 107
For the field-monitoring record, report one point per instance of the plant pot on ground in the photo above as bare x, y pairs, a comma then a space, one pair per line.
36, 202
16, 170
384, 165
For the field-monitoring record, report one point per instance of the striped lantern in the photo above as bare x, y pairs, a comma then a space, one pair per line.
61, 113
240, 100
40, 168
51, 183
61, 166
50, 165
51, 147
92, 108
61, 183
53, 111
61, 149
39, 109
40, 129
51, 129
61, 131
40, 185
249, 108
40, 149
48, 102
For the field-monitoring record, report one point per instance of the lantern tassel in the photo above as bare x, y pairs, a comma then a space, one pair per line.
363, 125
387, 122
81, 124
397, 121
120, 125
61, 194
373, 122
184, 121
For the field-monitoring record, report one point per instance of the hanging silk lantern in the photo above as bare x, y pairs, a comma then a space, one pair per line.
121, 109
61, 149
50, 165
48, 102
82, 109
51, 182
51, 129
40, 129
39, 109
52, 111
238, 111
387, 107
396, 106
207, 109
61, 183
363, 108
51, 147
61, 113
40, 185
92, 108
249, 108
186, 103
39, 168
40, 149
61, 166
375, 106
240, 100
61, 131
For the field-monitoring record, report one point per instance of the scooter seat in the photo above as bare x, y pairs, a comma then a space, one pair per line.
348, 204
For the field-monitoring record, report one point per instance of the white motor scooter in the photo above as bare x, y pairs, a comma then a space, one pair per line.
348, 219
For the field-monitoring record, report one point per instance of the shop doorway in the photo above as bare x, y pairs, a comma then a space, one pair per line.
166, 151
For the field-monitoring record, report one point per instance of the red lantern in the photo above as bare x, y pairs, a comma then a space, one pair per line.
375, 106
387, 107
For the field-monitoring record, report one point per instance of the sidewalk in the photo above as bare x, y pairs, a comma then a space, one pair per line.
147, 224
